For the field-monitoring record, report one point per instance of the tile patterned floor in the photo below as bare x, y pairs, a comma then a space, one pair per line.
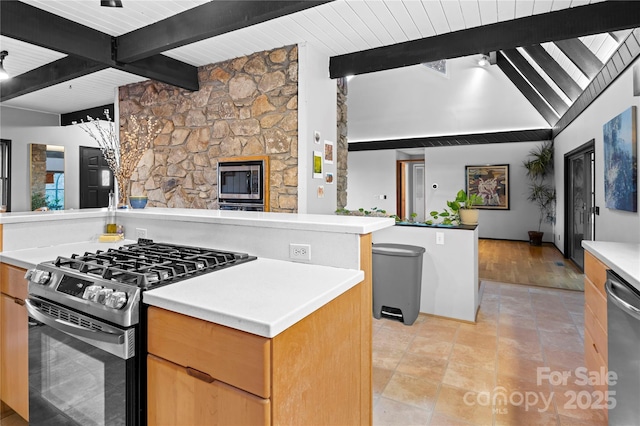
444, 372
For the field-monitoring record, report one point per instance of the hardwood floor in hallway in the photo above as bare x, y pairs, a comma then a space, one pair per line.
517, 262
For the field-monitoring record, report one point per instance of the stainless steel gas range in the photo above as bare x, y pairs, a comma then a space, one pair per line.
87, 329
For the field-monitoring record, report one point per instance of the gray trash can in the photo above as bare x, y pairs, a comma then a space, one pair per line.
397, 281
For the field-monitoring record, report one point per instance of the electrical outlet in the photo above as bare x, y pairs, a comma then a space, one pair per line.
300, 251
141, 233
440, 238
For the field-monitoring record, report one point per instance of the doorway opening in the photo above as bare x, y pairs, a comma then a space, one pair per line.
5, 175
410, 202
580, 209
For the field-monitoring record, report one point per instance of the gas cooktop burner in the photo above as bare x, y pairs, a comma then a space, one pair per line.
147, 264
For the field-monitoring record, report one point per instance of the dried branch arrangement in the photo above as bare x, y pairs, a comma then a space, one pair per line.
123, 157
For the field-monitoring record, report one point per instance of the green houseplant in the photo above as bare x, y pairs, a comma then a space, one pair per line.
541, 192
466, 210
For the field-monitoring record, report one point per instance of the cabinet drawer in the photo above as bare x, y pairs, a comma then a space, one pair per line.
177, 398
596, 302
593, 360
597, 334
596, 271
12, 281
237, 358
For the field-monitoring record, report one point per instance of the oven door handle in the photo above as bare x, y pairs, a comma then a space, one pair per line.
72, 329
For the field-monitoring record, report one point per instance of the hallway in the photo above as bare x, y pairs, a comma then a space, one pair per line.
517, 262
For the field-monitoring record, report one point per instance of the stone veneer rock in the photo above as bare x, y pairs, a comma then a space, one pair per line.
342, 150
245, 106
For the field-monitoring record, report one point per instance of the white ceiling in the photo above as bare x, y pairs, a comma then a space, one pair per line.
335, 28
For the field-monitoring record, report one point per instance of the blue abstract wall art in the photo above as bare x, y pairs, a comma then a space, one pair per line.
621, 162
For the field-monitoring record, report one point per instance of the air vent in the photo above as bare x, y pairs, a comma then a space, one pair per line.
64, 315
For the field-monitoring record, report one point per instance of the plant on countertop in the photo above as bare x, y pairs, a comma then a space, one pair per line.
451, 216
374, 212
541, 193
466, 210
468, 201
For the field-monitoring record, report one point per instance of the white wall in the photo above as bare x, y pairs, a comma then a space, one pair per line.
23, 127
446, 167
317, 100
611, 225
416, 101
372, 173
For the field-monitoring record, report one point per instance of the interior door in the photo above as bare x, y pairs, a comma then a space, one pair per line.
418, 191
96, 178
580, 204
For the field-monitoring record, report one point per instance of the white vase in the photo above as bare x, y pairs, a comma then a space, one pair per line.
469, 216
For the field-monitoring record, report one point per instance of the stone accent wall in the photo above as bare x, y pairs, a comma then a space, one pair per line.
245, 106
342, 150
38, 169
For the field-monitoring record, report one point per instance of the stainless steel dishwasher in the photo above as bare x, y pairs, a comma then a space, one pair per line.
623, 319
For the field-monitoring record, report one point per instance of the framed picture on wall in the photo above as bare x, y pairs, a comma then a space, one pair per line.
491, 183
317, 165
621, 162
328, 152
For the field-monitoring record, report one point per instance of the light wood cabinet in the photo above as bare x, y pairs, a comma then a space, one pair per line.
311, 373
595, 316
14, 340
181, 396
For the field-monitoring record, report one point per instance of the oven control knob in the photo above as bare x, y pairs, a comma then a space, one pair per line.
116, 300
37, 276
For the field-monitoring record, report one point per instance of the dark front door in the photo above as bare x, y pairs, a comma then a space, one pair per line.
580, 206
96, 179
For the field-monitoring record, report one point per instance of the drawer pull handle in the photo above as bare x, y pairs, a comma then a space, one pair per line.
19, 302
596, 348
199, 375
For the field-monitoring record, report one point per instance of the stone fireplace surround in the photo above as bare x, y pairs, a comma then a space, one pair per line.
245, 106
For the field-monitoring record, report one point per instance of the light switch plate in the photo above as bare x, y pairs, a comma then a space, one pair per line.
440, 238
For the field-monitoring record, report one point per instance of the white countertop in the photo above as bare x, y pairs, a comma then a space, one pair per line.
311, 222
263, 297
29, 258
50, 215
622, 258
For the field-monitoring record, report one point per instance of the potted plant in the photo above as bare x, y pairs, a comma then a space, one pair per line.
466, 210
539, 167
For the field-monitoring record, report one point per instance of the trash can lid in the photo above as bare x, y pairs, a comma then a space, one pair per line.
397, 249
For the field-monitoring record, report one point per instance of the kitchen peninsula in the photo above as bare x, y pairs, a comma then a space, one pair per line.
450, 286
285, 320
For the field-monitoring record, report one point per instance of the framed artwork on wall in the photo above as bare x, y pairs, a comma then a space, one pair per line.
621, 162
317, 165
328, 152
491, 183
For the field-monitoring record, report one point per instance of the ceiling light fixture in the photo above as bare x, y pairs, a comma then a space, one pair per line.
484, 61
4, 75
111, 3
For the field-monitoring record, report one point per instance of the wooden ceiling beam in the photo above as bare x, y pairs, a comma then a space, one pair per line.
205, 21
558, 25
559, 76
525, 88
533, 135
536, 80
56, 72
581, 56
29, 24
